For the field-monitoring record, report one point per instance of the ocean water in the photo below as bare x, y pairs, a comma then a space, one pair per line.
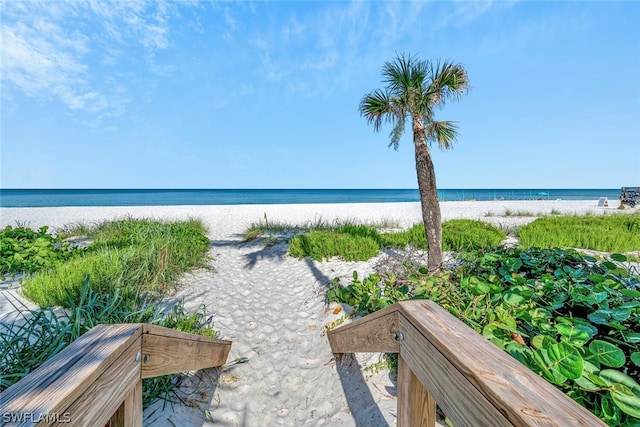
169, 197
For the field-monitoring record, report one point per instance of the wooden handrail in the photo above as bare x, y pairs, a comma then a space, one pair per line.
97, 379
442, 360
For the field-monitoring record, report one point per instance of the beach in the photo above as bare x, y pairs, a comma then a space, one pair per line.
273, 308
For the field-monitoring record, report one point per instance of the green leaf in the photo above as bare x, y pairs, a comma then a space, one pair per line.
609, 410
538, 341
574, 334
632, 338
597, 380
629, 404
606, 353
631, 293
586, 383
635, 357
622, 389
542, 361
598, 317
620, 314
513, 264
619, 257
482, 288
612, 376
567, 360
513, 298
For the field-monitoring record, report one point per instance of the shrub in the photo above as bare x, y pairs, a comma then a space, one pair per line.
23, 250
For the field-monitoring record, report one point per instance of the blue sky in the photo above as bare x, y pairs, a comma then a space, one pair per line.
198, 94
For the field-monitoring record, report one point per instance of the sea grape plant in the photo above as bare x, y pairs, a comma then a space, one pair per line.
23, 250
571, 318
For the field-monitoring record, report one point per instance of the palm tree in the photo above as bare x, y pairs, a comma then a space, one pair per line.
415, 89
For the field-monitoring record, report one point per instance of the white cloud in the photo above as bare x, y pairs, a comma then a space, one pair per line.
66, 50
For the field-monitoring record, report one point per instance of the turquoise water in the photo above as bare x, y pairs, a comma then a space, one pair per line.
169, 197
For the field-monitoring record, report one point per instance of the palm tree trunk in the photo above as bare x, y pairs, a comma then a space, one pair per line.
428, 196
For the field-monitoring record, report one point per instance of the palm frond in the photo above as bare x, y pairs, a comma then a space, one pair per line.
375, 107
447, 81
445, 133
404, 75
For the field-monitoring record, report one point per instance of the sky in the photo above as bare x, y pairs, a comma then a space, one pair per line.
251, 94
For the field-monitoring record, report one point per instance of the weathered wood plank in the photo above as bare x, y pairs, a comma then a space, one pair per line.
56, 384
458, 398
165, 351
103, 397
461, 365
416, 407
129, 414
373, 333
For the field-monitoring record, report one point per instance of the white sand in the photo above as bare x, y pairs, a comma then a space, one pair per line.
273, 308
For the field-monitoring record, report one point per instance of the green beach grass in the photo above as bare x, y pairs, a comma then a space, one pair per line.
120, 278
606, 233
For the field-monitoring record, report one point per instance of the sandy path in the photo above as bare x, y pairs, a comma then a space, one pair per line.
272, 307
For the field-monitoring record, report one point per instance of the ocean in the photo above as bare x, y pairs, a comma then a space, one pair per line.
10, 198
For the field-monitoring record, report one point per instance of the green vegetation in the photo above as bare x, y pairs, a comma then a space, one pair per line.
129, 266
360, 242
415, 90
465, 234
133, 256
325, 244
40, 334
607, 233
23, 250
509, 212
259, 229
570, 318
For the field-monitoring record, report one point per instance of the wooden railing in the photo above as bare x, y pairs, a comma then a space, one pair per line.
97, 379
442, 360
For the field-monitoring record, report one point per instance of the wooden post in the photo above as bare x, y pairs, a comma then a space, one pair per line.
416, 407
129, 414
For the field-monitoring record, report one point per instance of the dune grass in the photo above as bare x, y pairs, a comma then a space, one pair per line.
357, 242
607, 233
319, 245
258, 229
134, 256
